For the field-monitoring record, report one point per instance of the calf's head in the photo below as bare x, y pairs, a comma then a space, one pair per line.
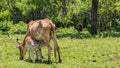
20, 47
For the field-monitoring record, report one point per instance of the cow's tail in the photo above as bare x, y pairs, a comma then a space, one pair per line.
53, 37
55, 42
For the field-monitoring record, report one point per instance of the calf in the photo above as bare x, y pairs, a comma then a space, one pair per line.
32, 47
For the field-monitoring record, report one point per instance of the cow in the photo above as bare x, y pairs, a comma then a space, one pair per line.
32, 46
42, 30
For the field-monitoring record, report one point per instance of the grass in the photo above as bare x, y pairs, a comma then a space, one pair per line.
76, 52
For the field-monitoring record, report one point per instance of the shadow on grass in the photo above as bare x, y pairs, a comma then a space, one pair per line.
40, 62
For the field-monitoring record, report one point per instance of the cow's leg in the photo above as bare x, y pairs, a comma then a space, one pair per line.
56, 47
49, 51
55, 52
58, 50
46, 38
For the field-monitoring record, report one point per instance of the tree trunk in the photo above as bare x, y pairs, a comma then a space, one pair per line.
114, 23
94, 17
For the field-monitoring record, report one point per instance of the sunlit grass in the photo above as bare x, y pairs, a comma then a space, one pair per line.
75, 53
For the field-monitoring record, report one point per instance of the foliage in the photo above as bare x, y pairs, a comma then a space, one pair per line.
19, 28
4, 26
7, 26
24, 8
64, 13
4, 15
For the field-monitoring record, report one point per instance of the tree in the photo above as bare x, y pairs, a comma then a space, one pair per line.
94, 25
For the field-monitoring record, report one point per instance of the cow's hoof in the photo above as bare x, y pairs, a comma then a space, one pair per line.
21, 58
60, 61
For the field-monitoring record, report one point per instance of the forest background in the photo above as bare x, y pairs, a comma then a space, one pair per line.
95, 16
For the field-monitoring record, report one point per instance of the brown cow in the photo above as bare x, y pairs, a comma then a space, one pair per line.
42, 30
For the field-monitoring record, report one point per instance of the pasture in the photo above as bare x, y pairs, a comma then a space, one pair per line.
78, 50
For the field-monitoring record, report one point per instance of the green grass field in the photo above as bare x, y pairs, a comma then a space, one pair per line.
80, 52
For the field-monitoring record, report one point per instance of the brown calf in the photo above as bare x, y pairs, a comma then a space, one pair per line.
32, 46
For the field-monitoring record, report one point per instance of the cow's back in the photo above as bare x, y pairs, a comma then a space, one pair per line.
40, 29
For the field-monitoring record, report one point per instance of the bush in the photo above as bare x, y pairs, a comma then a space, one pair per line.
78, 27
116, 28
91, 29
19, 28
4, 26
7, 27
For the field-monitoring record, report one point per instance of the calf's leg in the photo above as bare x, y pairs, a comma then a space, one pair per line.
32, 55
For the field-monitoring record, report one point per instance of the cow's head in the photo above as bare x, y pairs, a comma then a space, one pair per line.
20, 47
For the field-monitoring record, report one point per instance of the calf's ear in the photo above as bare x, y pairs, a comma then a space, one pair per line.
17, 39
19, 42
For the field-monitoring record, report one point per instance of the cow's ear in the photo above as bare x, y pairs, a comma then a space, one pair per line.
40, 23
